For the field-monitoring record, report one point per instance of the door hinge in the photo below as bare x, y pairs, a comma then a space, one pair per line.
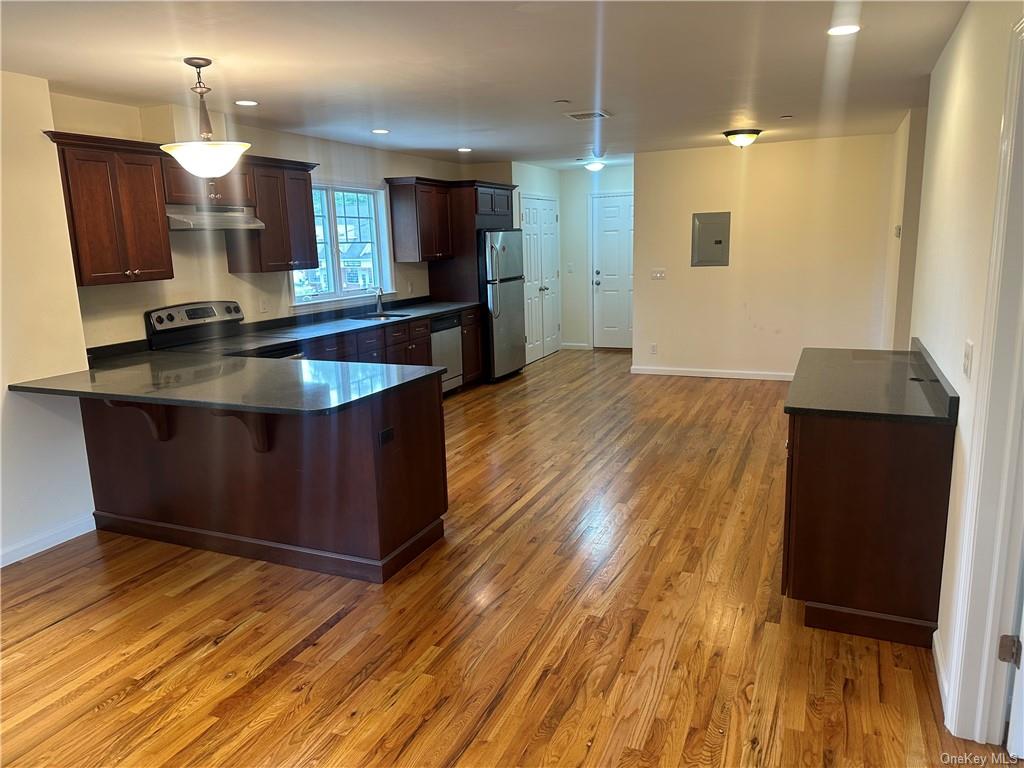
556, 218
1010, 649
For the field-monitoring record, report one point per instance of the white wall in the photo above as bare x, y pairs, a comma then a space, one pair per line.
532, 180
954, 247
46, 496
113, 313
810, 221
575, 189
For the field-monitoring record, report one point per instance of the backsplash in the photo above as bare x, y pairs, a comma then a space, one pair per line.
112, 314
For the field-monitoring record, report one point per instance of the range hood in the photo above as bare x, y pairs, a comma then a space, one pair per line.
191, 217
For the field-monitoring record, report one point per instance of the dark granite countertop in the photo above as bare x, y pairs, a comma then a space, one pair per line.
896, 385
304, 387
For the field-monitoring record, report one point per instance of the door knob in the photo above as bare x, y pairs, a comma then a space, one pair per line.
597, 271
597, 282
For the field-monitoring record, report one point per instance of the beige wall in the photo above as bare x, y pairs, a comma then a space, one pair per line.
810, 221
961, 162
113, 313
575, 189
534, 180
46, 496
911, 212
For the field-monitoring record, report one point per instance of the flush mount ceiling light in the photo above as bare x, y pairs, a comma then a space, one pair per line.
205, 158
247, 103
380, 131
465, 149
844, 29
743, 137
594, 166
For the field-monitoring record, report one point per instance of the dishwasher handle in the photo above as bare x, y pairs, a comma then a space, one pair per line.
444, 323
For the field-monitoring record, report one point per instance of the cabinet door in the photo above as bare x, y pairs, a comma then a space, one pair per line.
442, 224
146, 240
502, 201
419, 352
472, 355
235, 188
484, 200
298, 187
182, 188
426, 217
94, 211
397, 354
272, 210
371, 356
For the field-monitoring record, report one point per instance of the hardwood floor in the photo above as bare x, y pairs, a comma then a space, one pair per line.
607, 594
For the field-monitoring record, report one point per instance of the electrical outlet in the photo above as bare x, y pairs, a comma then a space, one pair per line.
264, 304
654, 348
968, 358
657, 274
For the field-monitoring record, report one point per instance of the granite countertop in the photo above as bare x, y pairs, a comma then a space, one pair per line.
303, 387
304, 331
896, 385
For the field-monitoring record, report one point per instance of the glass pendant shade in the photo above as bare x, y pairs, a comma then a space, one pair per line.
207, 159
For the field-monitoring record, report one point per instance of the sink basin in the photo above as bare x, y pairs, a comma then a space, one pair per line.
384, 316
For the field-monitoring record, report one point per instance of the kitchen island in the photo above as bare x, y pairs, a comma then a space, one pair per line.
867, 489
332, 466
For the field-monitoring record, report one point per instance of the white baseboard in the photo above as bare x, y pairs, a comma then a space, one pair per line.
575, 345
940, 670
46, 539
711, 373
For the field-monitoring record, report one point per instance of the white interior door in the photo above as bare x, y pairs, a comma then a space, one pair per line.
532, 266
1015, 736
551, 277
612, 278
541, 263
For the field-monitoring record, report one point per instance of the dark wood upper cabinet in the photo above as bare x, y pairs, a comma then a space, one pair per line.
284, 203
493, 200
116, 215
421, 219
182, 188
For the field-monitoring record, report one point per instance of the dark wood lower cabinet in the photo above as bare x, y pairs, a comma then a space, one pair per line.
472, 352
865, 525
357, 492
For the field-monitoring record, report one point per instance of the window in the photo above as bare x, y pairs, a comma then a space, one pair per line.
351, 242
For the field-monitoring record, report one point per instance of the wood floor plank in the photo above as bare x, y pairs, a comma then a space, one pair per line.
607, 594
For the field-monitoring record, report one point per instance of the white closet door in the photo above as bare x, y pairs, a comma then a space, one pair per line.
532, 266
612, 279
551, 277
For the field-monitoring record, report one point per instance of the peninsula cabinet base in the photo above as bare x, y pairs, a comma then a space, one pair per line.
357, 491
896, 629
335, 563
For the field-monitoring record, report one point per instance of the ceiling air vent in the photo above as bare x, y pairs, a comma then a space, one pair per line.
598, 115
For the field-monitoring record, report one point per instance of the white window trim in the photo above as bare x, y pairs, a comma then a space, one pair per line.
385, 263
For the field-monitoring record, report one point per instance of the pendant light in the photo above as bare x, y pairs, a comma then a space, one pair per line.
743, 137
205, 158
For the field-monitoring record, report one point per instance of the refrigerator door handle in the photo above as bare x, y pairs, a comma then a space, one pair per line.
495, 289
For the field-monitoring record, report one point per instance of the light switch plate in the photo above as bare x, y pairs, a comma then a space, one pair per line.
657, 274
968, 358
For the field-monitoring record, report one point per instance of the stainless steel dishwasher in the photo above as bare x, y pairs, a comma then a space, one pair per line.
446, 349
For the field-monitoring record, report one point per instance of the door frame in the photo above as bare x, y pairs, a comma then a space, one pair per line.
975, 685
592, 198
558, 247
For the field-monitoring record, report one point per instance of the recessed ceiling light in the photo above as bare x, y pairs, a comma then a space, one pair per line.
785, 117
381, 131
743, 137
247, 103
844, 29
465, 149
562, 101
594, 166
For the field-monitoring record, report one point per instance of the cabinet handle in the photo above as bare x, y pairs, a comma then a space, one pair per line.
212, 196
127, 273
137, 272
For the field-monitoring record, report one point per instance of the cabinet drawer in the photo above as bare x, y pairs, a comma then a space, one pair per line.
397, 333
331, 348
471, 317
372, 355
419, 329
372, 339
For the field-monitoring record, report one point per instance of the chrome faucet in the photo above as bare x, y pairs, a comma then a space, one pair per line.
380, 301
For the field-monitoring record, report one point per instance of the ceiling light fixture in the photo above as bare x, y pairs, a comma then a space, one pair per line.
594, 166
247, 103
380, 131
464, 149
205, 158
840, 30
743, 137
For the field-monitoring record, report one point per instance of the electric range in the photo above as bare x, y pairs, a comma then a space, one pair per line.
214, 327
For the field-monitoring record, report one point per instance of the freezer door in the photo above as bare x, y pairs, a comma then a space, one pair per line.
506, 310
503, 254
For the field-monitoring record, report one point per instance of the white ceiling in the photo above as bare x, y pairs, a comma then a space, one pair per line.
485, 75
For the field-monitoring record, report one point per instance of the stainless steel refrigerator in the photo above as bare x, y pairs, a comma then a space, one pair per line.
501, 252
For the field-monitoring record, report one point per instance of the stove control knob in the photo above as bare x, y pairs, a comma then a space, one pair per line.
159, 319
228, 310
170, 318
238, 309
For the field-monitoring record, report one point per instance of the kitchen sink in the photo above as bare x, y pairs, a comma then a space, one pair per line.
383, 316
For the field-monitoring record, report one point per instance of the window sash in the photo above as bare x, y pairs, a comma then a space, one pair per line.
350, 232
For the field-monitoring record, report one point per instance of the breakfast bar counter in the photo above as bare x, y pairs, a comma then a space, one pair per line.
336, 467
